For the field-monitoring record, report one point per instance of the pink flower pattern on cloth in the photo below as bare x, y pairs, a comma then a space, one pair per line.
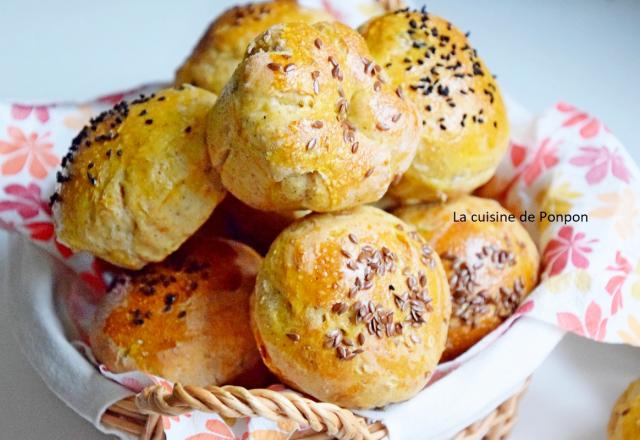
562, 162
568, 163
590, 281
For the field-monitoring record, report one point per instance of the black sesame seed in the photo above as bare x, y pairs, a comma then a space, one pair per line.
169, 300
55, 197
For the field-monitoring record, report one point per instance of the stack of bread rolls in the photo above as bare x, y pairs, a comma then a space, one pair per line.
300, 122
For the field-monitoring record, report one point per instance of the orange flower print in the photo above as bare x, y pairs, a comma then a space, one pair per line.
78, 120
217, 431
32, 151
631, 337
622, 208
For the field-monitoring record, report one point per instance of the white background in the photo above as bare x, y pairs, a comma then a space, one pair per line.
584, 52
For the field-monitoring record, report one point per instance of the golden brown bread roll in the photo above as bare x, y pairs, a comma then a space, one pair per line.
351, 308
223, 45
464, 129
308, 121
185, 319
491, 266
138, 181
624, 423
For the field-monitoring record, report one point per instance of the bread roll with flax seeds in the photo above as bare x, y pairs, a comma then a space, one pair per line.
309, 121
351, 308
491, 266
225, 42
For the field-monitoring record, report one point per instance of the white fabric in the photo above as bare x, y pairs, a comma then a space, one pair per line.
448, 406
474, 389
30, 286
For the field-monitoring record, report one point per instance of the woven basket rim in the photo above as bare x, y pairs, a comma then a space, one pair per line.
140, 415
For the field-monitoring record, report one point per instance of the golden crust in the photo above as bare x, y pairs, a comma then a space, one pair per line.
624, 423
223, 45
185, 319
499, 257
308, 312
464, 127
309, 122
138, 181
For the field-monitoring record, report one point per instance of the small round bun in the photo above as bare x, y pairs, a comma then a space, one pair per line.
185, 319
351, 308
464, 129
625, 417
138, 181
491, 265
308, 121
224, 44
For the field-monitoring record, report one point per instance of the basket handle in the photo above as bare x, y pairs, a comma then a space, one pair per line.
234, 402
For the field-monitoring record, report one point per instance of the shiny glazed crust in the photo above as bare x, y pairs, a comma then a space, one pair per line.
625, 417
351, 308
491, 267
185, 319
464, 129
138, 181
223, 45
308, 121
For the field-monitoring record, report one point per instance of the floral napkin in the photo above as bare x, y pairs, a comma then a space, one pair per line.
564, 163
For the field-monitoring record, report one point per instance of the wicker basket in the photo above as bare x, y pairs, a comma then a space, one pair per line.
140, 415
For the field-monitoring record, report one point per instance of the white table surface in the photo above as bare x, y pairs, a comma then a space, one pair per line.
584, 52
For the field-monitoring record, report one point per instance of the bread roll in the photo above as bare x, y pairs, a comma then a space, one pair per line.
308, 121
185, 319
351, 308
464, 129
625, 417
138, 181
491, 266
223, 45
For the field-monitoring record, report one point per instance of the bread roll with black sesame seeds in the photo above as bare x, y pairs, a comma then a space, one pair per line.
185, 319
464, 131
138, 181
491, 266
625, 416
225, 42
308, 121
351, 308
